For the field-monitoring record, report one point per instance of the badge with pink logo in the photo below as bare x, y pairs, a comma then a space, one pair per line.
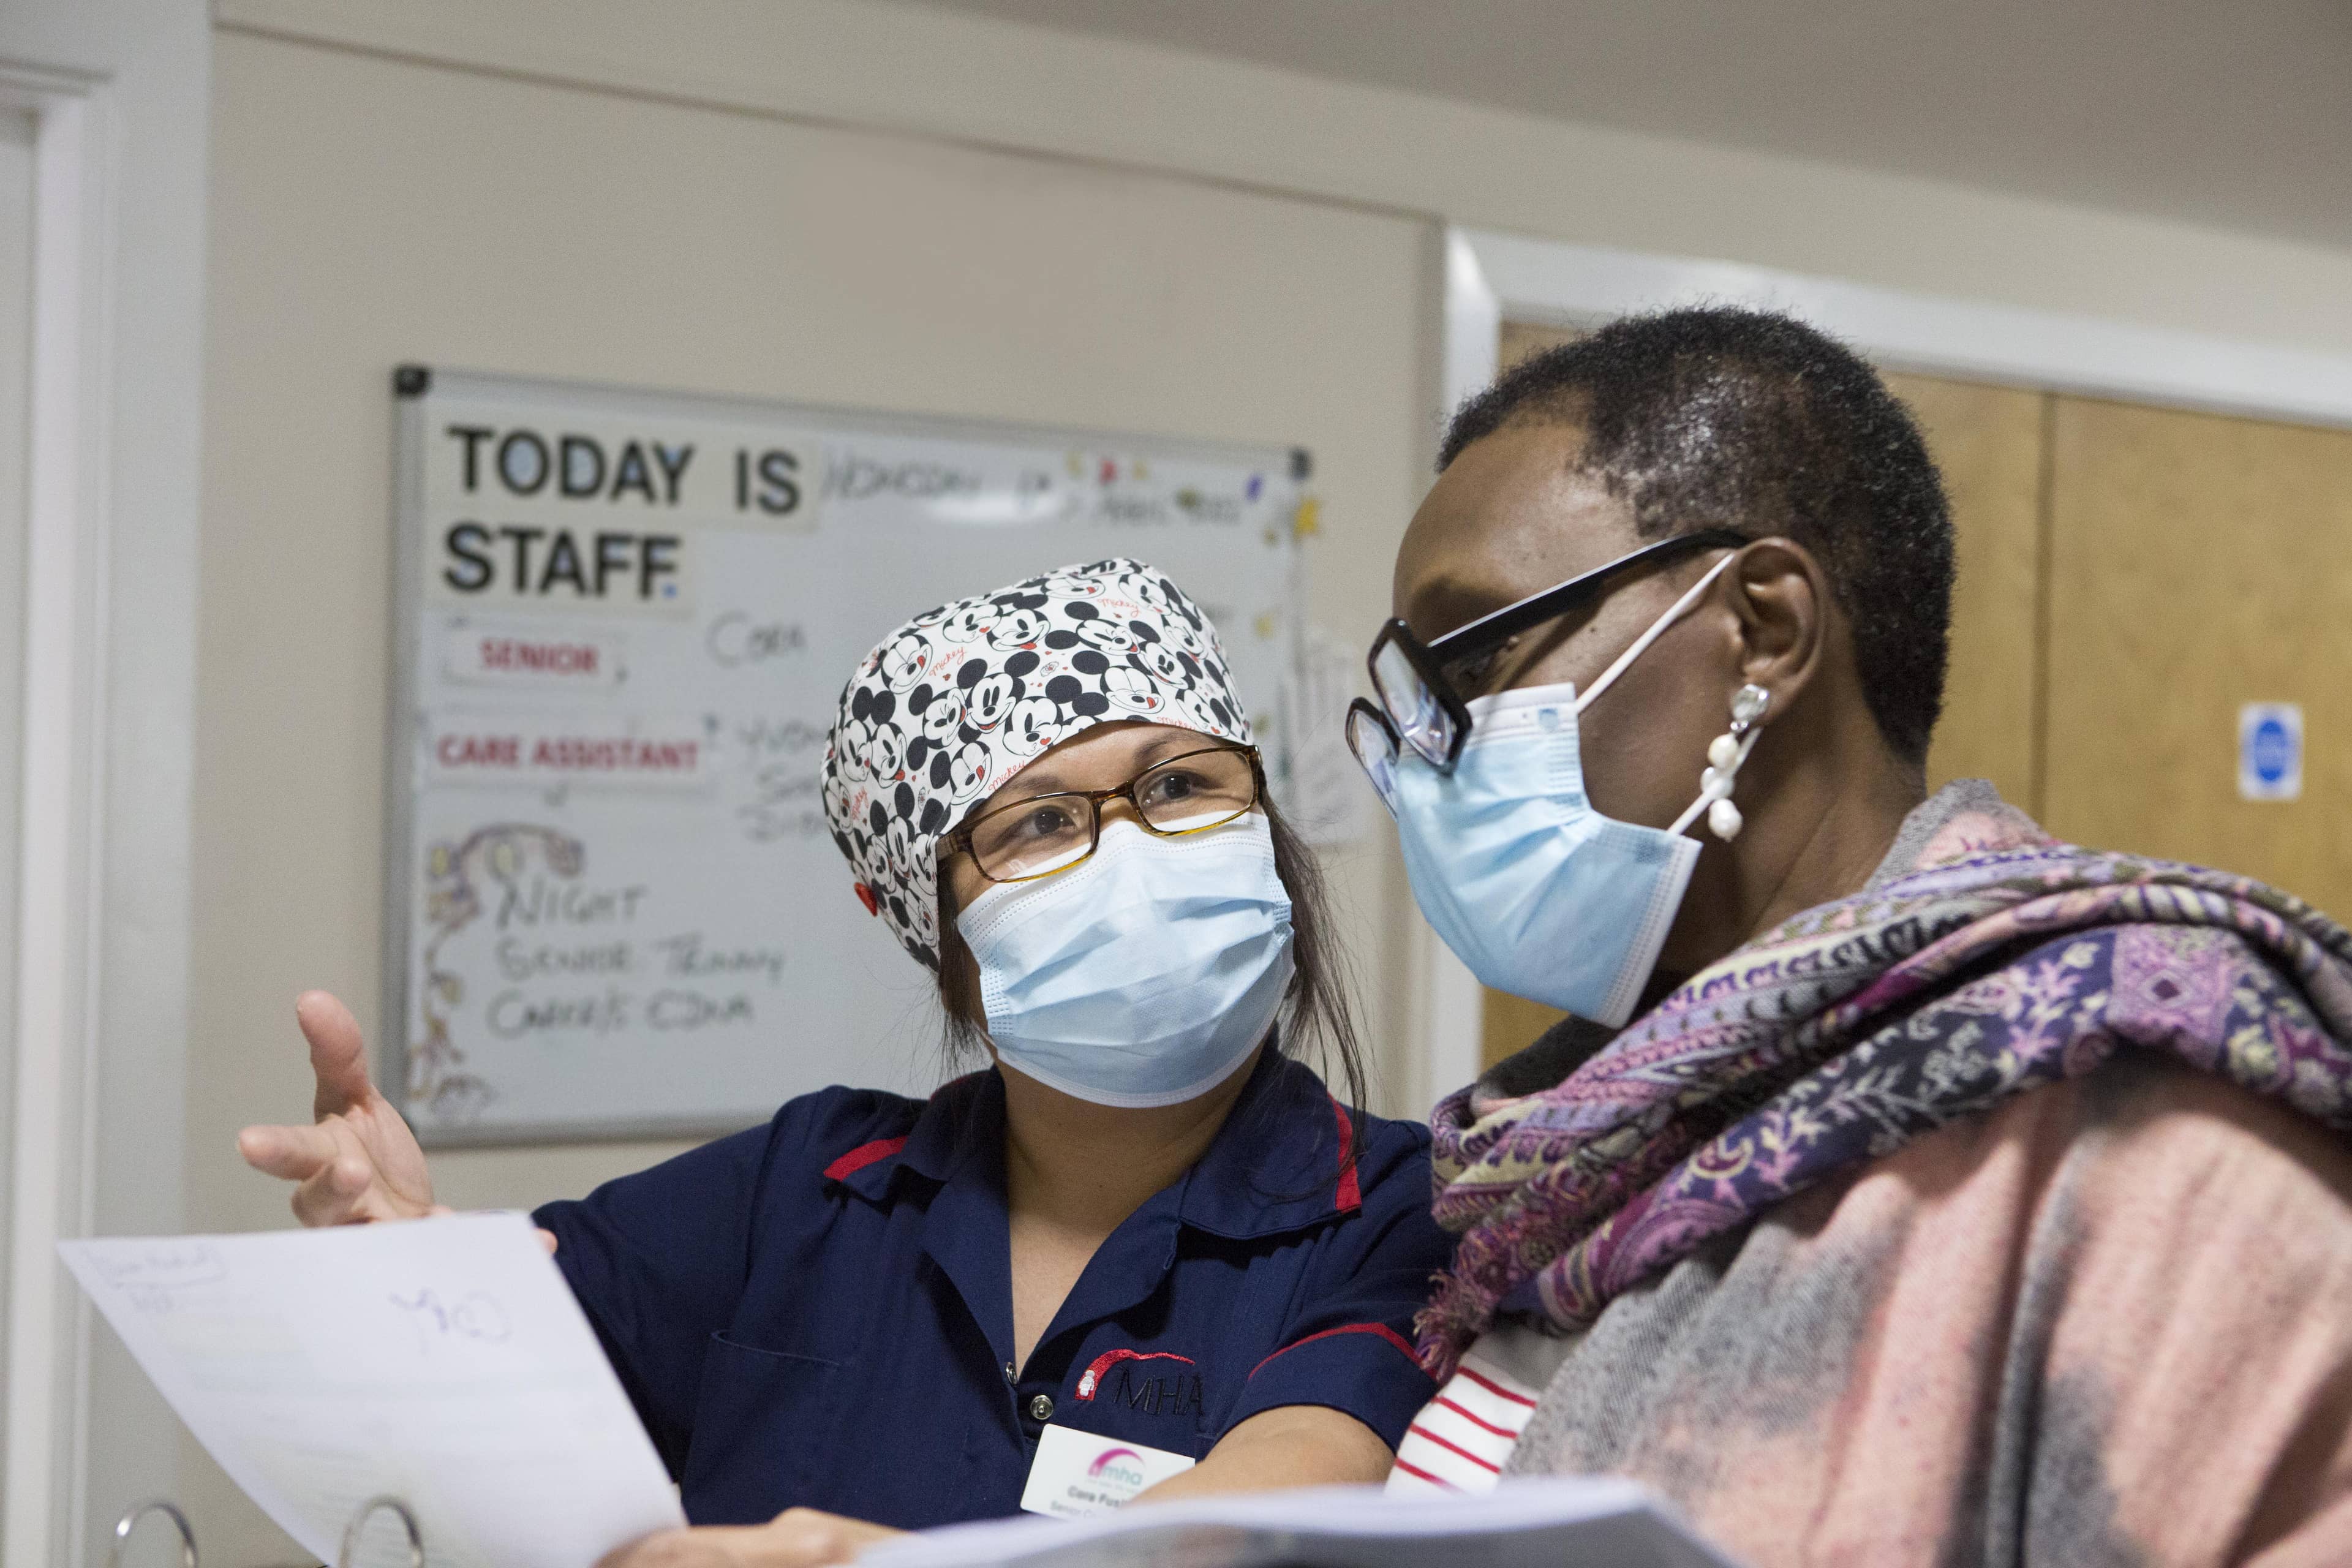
1078, 1473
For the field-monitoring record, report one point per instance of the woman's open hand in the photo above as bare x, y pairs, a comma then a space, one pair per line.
359, 1162
796, 1538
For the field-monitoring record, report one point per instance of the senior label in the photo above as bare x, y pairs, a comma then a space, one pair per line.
530, 656
1078, 1473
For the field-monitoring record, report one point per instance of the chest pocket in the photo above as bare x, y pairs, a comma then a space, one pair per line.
761, 1419
1155, 1399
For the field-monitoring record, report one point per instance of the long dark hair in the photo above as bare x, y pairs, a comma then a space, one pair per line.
1315, 1009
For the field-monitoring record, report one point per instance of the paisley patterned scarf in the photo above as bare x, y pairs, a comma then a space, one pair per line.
2000, 960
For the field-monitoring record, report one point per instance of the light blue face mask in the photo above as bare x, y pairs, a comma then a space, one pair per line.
1535, 890
1144, 975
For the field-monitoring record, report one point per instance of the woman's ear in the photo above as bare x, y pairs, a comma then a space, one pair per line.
1781, 596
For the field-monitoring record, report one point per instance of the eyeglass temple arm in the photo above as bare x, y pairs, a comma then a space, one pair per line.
1536, 608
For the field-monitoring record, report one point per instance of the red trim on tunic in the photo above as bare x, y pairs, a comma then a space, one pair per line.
865, 1154
1383, 1330
1350, 1196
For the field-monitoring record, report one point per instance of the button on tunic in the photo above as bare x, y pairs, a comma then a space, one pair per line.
819, 1313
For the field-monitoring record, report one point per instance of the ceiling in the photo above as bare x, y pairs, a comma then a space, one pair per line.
2233, 115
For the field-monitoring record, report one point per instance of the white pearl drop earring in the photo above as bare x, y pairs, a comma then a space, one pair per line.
1724, 755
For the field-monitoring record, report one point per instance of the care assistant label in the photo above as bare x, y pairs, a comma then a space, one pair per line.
1078, 1473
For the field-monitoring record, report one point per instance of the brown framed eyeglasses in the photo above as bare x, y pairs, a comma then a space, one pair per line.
1191, 792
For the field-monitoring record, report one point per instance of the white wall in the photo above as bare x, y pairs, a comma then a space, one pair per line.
370, 211
860, 204
972, 79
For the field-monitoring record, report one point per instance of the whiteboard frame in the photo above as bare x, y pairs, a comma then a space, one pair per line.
412, 383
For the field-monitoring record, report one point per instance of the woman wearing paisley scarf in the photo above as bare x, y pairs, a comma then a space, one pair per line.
1911, 1187
1142, 1235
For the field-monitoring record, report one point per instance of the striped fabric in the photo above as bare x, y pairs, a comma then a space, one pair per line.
1459, 1441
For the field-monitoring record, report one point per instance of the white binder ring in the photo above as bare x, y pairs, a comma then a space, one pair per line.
368, 1510
139, 1510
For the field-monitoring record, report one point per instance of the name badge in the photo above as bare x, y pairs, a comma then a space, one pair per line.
1077, 1473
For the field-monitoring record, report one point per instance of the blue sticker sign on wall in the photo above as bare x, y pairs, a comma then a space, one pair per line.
2269, 751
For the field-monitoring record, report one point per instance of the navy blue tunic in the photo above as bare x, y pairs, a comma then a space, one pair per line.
819, 1313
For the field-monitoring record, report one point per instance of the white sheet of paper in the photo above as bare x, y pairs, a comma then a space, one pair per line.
1572, 1521
443, 1360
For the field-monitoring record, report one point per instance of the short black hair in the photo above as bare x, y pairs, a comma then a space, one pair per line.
1717, 417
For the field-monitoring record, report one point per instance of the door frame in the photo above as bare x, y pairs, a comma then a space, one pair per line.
58, 764
117, 92
1490, 278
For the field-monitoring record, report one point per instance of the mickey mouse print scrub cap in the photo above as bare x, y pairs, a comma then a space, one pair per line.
961, 698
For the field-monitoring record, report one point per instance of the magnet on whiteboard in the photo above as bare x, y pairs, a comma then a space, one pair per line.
2269, 751
1308, 519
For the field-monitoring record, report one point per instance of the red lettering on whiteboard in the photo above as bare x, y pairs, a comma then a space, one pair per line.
577, 753
479, 750
540, 658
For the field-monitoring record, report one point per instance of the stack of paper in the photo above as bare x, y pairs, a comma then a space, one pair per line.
441, 1361
1579, 1522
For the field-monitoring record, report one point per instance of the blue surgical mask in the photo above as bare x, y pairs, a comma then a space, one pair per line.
1144, 975
1538, 892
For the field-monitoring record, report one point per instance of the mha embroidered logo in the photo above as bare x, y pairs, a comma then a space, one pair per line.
1136, 1388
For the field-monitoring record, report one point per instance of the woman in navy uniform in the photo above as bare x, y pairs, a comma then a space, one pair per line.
1143, 1239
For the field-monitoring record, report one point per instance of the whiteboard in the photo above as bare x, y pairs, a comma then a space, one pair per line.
623, 621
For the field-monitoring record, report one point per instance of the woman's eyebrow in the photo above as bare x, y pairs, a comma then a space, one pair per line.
1448, 604
1047, 781
1015, 791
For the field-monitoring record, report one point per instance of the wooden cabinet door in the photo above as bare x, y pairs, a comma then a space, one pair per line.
2198, 563
1990, 442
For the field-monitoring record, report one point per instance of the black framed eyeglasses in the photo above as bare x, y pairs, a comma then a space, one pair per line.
1418, 704
1190, 793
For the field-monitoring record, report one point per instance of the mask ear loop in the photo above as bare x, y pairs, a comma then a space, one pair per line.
1657, 629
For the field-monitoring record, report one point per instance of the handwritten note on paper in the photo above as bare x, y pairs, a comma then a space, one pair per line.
444, 1360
